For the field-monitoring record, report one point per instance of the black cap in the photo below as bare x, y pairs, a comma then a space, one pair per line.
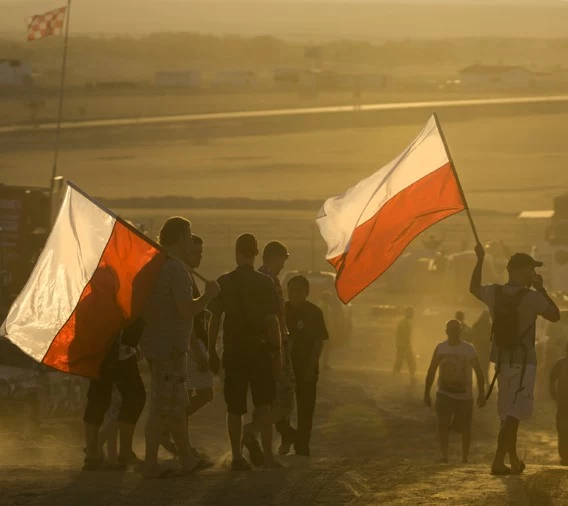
520, 260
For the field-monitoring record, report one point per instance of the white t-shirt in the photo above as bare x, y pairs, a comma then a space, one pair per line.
455, 369
533, 304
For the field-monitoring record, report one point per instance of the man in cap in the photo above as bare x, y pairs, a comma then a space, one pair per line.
514, 308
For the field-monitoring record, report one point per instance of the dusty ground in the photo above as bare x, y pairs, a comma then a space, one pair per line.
373, 443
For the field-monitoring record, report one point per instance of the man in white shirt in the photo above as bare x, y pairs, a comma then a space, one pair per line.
514, 308
455, 359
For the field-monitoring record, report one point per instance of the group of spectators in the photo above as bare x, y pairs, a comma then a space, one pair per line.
270, 348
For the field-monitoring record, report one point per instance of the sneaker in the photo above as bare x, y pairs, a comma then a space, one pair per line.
284, 448
253, 447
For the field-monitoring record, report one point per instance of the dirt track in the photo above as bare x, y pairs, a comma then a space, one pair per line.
373, 444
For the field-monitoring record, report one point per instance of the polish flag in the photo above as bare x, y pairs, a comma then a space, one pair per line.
368, 227
91, 279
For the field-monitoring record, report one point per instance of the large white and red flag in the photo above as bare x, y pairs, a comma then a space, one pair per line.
91, 279
368, 227
44, 25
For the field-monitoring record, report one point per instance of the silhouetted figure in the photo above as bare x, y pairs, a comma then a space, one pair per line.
403, 343
169, 315
559, 392
251, 347
467, 333
455, 360
514, 309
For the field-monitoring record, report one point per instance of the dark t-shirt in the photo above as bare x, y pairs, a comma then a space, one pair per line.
306, 326
247, 297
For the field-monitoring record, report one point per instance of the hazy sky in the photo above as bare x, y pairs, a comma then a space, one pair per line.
374, 19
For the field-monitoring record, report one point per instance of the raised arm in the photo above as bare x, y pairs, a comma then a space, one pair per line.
552, 313
475, 284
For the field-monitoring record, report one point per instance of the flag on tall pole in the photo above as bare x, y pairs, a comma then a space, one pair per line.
92, 278
368, 227
44, 25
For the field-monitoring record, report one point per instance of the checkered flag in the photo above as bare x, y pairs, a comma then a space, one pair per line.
44, 25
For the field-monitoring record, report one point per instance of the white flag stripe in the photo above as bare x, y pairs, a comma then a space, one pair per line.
63, 270
341, 215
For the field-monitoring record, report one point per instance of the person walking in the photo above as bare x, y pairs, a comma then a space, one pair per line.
251, 347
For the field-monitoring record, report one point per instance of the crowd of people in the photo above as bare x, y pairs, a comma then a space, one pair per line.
505, 335
270, 348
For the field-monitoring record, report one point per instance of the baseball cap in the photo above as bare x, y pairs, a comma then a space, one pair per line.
520, 260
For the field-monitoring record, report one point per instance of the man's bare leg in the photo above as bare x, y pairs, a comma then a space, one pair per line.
514, 459
265, 417
503, 445
466, 443
126, 432
235, 430
155, 426
178, 429
92, 441
444, 437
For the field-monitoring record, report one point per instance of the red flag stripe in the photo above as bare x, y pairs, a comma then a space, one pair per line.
114, 295
378, 242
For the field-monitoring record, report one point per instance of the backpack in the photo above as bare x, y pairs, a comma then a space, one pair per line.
505, 331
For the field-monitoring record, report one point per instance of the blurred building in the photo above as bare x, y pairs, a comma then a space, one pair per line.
15, 73
499, 76
235, 79
180, 78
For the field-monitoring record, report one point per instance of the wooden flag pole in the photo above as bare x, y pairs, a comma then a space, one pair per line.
60, 107
467, 210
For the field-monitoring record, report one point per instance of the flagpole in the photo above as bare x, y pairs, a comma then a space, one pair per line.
452, 165
60, 107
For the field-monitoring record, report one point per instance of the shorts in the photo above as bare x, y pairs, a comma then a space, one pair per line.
455, 414
285, 388
515, 400
168, 393
122, 378
242, 370
197, 380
